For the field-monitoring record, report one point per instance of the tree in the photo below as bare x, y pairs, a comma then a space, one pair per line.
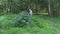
53, 7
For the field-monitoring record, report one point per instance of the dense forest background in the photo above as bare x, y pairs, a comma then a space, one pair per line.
50, 7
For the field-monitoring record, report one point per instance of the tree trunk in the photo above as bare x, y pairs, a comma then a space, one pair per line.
49, 9
53, 7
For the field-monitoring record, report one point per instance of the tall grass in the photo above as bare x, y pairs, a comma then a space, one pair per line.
41, 25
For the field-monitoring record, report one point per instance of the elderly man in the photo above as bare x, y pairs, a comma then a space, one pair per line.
30, 12
30, 17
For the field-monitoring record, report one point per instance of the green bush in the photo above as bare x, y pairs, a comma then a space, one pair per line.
7, 21
22, 19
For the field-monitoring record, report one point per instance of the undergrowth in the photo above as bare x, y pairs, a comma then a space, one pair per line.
41, 25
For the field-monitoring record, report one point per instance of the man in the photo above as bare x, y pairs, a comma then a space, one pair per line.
30, 17
30, 12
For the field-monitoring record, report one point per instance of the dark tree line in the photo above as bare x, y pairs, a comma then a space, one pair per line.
16, 6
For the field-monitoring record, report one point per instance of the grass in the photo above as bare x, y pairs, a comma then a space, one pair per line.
43, 25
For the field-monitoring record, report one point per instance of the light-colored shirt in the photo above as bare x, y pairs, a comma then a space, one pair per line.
30, 12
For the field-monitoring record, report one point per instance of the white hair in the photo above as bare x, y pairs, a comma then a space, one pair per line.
30, 12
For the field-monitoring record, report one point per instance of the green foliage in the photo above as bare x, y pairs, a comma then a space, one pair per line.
16, 6
7, 21
43, 25
28, 30
22, 19
38, 22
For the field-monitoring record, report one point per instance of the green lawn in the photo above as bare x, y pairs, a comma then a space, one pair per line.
43, 25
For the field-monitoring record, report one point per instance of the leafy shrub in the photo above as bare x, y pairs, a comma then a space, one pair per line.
22, 19
7, 21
